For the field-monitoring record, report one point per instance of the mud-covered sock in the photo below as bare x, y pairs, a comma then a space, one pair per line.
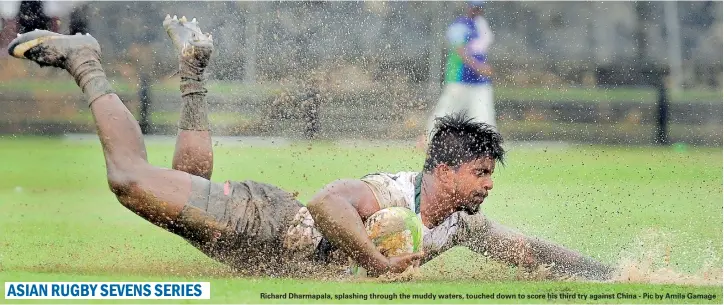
85, 67
194, 111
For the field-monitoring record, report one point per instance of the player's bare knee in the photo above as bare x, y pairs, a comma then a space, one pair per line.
120, 182
123, 180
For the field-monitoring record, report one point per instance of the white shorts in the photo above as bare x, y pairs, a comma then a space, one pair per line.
476, 99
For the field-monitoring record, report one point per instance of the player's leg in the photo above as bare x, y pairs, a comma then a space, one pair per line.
193, 153
236, 223
449, 102
156, 194
481, 103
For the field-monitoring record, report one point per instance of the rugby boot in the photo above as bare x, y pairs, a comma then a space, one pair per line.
48, 48
194, 47
79, 54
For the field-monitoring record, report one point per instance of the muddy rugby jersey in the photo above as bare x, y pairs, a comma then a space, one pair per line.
390, 190
400, 190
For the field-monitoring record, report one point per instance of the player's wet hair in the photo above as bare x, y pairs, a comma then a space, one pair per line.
458, 139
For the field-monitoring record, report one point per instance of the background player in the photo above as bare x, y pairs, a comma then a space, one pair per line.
468, 76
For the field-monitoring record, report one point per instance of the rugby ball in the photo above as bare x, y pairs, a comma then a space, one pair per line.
394, 231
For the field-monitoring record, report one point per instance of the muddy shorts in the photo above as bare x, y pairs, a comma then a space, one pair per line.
241, 224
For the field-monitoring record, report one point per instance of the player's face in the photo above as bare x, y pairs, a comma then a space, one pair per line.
473, 182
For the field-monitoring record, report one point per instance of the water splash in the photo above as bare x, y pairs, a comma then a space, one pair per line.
648, 261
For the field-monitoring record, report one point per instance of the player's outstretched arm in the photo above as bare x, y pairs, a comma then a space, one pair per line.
339, 211
499, 242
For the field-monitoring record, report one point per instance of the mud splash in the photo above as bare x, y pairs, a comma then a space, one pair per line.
649, 261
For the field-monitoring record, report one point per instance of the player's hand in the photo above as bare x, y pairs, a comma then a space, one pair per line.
400, 263
484, 69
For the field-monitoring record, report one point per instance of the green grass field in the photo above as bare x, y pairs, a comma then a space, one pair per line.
59, 222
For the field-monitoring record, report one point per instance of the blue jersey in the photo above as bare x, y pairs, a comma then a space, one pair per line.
475, 36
